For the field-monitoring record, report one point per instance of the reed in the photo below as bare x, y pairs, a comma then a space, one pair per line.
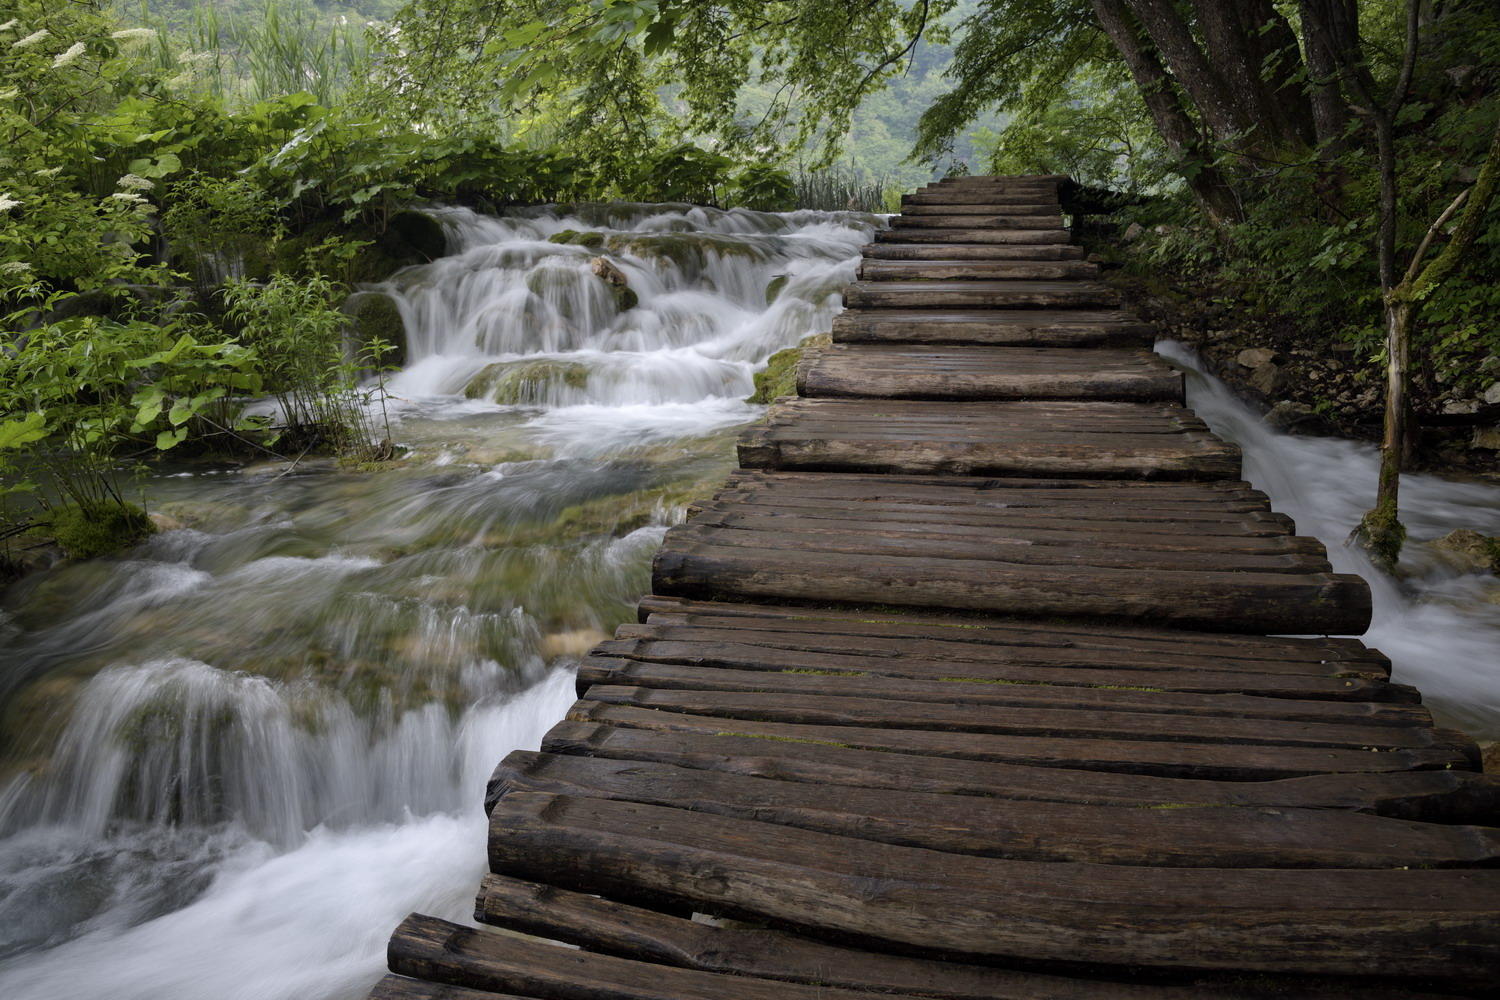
844, 188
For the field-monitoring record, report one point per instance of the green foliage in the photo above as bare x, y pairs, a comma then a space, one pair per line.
96, 529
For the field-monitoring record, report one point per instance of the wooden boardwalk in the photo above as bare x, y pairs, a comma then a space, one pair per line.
970, 684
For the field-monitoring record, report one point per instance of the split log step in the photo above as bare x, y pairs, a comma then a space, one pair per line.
893, 371
1084, 439
970, 251
402, 988
1431, 923
1037, 198
918, 209
601, 925
1001, 327
978, 294
1175, 835
1051, 223
1166, 759
968, 270
973, 235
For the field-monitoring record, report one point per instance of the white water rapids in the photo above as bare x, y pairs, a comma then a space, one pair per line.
236, 757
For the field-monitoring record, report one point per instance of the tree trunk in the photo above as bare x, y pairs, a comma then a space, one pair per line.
1240, 39
1282, 71
1168, 114
1329, 112
1213, 98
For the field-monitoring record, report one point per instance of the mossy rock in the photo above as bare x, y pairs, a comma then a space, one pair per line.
414, 236
98, 529
572, 237
779, 377
526, 383
688, 251
374, 316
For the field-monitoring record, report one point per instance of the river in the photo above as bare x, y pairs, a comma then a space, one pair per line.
237, 756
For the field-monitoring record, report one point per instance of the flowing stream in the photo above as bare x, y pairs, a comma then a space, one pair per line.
237, 756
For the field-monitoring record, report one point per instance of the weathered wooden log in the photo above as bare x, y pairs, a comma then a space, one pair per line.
402, 988
1021, 720
1002, 236
1177, 835
913, 208
1050, 223
891, 371
967, 636
1218, 761
971, 252
1038, 327
1035, 198
1396, 923
968, 270
613, 928
793, 683
429, 948
978, 294
1431, 796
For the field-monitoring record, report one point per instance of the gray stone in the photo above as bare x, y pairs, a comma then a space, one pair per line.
1460, 407
1469, 551
1298, 418
1268, 379
1486, 437
1133, 232
1254, 357
1492, 394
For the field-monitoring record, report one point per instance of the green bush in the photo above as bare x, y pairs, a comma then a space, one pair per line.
86, 531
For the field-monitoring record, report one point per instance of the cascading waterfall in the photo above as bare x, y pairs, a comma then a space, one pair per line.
239, 754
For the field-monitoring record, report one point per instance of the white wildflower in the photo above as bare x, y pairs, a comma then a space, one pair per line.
64, 58
135, 182
134, 34
128, 196
10, 24
9, 94
15, 267
7, 203
31, 39
48, 172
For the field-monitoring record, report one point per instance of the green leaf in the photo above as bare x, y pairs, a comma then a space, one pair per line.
166, 440
18, 433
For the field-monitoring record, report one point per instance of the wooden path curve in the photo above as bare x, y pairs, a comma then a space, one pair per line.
972, 683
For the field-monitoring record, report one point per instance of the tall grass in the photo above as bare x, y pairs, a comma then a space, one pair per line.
842, 188
284, 47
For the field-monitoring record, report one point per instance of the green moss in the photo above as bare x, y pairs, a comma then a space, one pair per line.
522, 383
86, 531
1382, 535
572, 237
779, 377
374, 316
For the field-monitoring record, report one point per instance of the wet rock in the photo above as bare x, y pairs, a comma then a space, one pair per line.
1254, 357
572, 237
165, 522
1487, 438
415, 236
1460, 407
527, 383
374, 317
1268, 379
1492, 394
1469, 551
610, 274
1490, 757
1298, 418
574, 643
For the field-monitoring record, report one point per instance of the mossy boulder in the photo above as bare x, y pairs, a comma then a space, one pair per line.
1469, 551
88, 530
572, 237
779, 377
373, 318
526, 383
414, 236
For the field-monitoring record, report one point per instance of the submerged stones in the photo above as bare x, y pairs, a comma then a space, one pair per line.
1469, 551
611, 275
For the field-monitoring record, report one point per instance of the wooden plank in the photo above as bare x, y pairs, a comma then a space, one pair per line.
978, 294
1036, 197
429, 948
911, 208
960, 635
971, 251
992, 220
1025, 720
1441, 796
1025, 438
984, 372
797, 682
1051, 328
1438, 923
1181, 835
1217, 761
972, 270
603, 925
402, 988
1000, 236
